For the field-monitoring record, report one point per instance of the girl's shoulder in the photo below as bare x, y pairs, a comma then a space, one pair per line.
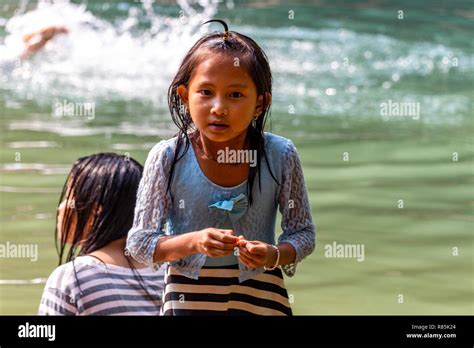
276, 140
277, 146
161, 154
164, 147
63, 277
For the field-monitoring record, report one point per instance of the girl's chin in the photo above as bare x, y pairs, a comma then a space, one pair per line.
217, 139
220, 136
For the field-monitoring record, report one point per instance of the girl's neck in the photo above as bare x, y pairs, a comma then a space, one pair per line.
212, 147
113, 253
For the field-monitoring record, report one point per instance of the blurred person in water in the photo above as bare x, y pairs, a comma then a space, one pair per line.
36, 40
23, 47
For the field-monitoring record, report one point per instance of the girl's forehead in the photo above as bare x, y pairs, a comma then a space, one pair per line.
212, 59
220, 69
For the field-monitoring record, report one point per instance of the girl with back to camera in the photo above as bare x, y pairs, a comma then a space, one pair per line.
217, 186
94, 215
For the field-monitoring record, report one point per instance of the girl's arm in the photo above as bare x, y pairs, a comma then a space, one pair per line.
296, 223
152, 207
298, 237
287, 254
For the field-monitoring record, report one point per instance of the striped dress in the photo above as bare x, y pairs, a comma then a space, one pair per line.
218, 292
103, 289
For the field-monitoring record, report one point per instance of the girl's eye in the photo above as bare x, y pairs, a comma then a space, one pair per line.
236, 94
205, 92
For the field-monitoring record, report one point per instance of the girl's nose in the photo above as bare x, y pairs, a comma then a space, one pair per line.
219, 109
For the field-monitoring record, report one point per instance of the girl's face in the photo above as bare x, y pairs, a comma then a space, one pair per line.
67, 207
64, 208
221, 98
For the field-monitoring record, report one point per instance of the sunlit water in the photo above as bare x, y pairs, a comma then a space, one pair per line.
131, 51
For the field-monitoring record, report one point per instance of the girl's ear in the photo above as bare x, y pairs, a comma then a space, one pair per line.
183, 94
259, 106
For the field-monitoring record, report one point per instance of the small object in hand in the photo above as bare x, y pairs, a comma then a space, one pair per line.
241, 238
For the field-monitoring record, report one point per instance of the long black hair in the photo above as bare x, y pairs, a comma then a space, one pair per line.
251, 57
99, 193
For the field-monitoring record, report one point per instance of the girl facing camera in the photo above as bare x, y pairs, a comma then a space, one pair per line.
220, 210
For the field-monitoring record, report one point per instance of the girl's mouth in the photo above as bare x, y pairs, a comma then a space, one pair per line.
218, 127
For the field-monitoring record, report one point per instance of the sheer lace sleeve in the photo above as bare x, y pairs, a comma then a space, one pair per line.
296, 223
152, 206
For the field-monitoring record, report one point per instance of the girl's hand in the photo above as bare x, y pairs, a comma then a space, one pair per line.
215, 242
256, 254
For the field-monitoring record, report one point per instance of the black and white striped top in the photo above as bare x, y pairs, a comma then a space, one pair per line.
102, 290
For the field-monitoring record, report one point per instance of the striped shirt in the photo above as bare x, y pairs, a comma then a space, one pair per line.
101, 289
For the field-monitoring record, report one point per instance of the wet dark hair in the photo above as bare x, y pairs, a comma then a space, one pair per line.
101, 190
100, 193
254, 59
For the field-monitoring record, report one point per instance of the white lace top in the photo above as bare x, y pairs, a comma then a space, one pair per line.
187, 205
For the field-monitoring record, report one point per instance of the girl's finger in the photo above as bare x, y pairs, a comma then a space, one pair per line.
252, 261
213, 252
243, 250
241, 243
260, 249
257, 257
225, 238
228, 252
219, 245
245, 256
247, 262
